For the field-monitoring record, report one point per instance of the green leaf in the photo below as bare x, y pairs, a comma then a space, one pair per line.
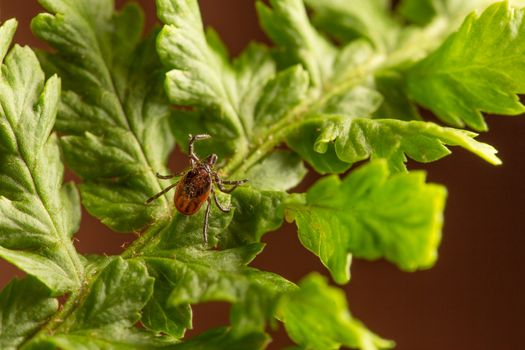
316, 317
39, 214
224, 339
338, 76
183, 233
114, 114
372, 215
241, 103
105, 304
287, 24
348, 20
395, 104
263, 175
158, 315
200, 75
256, 213
105, 318
198, 276
477, 69
187, 274
25, 306
334, 72
286, 90
421, 12
340, 142
357, 102
111, 338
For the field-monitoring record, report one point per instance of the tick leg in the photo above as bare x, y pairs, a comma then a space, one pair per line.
220, 183
221, 208
169, 176
193, 156
165, 177
206, 218
160, 193
234, 182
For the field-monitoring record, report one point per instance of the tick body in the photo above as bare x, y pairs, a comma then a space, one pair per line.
197, 186
193, 190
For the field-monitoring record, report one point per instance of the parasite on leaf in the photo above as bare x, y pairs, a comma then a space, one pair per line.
194, 188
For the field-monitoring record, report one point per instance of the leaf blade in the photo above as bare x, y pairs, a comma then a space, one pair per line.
25, 305
475, 70
371, 215
107, 314
347, 21
36, 224
197, 276
115, 137
333, 143
315, 316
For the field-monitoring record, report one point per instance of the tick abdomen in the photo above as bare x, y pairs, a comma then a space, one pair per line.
195, 186
193, 190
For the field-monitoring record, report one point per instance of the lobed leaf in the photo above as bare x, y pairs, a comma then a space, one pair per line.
108, 338
25, 305
186, 274
291, 172
334, 72
106, 317
200, 75
158, 315
344, 84
39, 213
224, 339
242, 103
181, 235
256, 213
348, 20
422, 12
114, 118
281, 93
477, 69
113, 113
287, 24
197, 276
338, 142
371, 214
316, 317
395, 103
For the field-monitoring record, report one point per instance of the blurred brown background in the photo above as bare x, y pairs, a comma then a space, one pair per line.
472, 299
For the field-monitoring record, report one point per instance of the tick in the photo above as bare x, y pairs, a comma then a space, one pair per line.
196, 184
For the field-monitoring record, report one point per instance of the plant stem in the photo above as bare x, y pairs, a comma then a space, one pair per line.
146, 239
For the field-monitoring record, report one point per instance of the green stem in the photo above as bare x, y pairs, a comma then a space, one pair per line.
149, 238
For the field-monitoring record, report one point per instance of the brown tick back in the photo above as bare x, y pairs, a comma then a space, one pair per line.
195, 186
